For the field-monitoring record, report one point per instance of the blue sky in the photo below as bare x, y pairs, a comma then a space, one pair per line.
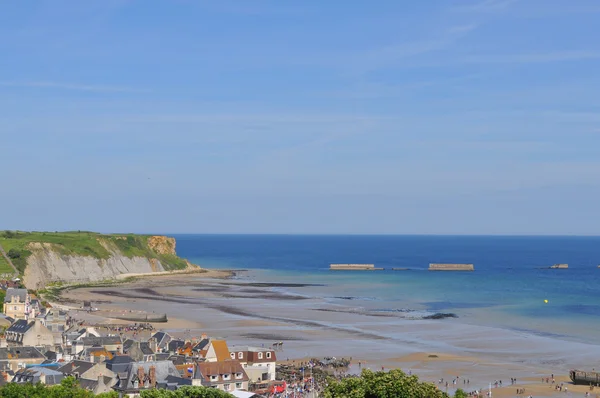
255, 116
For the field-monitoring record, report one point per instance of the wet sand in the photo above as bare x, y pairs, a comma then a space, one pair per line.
252, 313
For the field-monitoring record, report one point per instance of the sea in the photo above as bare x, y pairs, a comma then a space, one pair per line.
511, 288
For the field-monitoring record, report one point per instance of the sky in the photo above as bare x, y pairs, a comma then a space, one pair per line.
258, 116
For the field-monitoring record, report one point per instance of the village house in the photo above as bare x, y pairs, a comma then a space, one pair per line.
15, 358
217, 351
162, 340
54, 319
95, 354
86, 370
109, 343
31, 333
227, 375
259, 363
142, 376
141, 352
17, 304
38, 374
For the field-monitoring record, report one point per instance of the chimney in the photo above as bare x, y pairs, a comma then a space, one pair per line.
140, 375
153, 344
152, 376
203, 336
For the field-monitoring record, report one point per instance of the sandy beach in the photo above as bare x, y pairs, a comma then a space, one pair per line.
250, 312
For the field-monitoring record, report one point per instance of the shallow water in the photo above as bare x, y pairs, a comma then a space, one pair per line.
507, 289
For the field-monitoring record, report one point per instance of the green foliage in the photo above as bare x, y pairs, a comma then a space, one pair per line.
14, 253
2, 295
69, 388
186, 392
392, 384
460, 394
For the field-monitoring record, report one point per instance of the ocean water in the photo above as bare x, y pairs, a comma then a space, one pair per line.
506, 290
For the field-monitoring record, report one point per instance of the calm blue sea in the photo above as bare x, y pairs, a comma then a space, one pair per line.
507, 289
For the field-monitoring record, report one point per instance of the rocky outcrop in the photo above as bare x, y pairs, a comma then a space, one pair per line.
49, 263
162, 244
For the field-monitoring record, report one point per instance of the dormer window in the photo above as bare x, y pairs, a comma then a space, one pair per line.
214, 377
268, 355
232, 355
226, 376
240, 355
238, 375
260, 355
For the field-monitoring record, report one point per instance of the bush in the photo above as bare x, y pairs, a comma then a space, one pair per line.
394, 383
14, 254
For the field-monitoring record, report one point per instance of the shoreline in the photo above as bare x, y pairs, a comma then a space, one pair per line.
259, 312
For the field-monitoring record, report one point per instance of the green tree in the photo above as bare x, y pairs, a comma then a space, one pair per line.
460, 394
14, 390
111, 394
392, 384
186, 392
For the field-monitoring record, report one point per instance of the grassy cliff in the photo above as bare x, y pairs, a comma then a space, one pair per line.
17, 244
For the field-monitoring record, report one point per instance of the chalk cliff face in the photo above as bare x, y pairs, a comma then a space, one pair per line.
48, 263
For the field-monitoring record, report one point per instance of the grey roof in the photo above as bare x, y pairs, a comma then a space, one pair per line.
146, 350
11, 291
162, 339
127, 344
89, 384
175, 344
202, 344
103, 340
76, 366
20, 326
163, 369
20, 352
120, 359
32, 375
162, 356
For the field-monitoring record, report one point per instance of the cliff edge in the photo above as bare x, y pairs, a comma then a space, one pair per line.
79, 257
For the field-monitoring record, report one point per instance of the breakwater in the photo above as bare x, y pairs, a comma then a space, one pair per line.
354, 267
560, 266
451, 267
152, 318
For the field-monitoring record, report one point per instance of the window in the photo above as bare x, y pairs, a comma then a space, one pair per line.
15, 308
213, 378
227, 387
260, 355
226, 376
240, 355
238, 385
268, 355
232, 355
238, 375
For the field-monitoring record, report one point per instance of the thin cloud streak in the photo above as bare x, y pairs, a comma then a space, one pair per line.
487, 6
71, 86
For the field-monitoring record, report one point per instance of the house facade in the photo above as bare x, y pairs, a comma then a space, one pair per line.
17, 304
33, 333
228, 375
259, 363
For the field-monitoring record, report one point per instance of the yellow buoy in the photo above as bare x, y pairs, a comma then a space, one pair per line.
546, 301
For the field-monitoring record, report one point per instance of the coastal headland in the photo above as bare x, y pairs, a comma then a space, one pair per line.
243, 308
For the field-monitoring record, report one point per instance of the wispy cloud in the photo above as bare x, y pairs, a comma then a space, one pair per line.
531, 58
391, 55
70, 86
487, 6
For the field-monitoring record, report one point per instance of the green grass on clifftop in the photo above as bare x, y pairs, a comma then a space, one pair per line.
82, 243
